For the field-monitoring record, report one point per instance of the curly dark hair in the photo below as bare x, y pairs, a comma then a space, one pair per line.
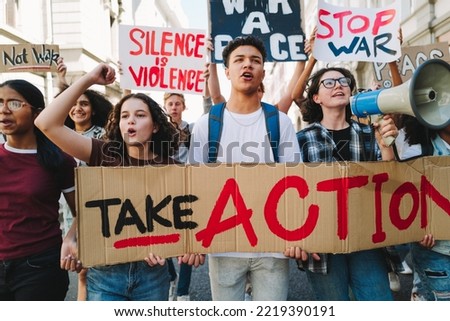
243, 41
164, 141
415, 132
312, 112
101, 107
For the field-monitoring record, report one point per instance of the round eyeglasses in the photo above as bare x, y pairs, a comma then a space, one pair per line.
13, 104
331, 82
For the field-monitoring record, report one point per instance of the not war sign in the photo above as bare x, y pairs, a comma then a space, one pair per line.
276, 22
125, 213
357, 34
28, 57
162, 59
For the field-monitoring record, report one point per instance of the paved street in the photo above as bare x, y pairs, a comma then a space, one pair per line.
299, 288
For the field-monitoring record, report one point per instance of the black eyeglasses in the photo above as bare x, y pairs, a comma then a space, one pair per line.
13, 104
331, 82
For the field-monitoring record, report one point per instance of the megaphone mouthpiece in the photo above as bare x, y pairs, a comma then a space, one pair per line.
424, 96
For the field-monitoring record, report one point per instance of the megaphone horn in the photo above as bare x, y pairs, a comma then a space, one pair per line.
425, 96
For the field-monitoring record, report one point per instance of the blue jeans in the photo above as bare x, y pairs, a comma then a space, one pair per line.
34, 278
185, 279
433, 271
364, 272
171, 268
269, 278
135, 281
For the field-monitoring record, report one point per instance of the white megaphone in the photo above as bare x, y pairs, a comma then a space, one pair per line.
425, 96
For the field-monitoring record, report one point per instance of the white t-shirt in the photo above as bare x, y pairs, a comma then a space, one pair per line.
244, 139
405, 150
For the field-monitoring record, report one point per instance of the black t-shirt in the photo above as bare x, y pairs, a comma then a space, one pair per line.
342, 140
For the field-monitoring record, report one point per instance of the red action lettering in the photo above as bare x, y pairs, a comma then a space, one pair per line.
342, 186
243, 214
270, 209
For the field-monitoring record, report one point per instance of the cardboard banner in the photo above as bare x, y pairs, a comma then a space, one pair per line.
29, 57
126, 213
357, 34
276, 22
162, 59
412, 57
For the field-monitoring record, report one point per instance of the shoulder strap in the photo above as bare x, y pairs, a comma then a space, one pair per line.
215, 121
273, 127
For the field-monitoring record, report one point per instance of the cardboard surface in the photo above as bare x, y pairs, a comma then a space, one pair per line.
412, 57
29, 57
125, 213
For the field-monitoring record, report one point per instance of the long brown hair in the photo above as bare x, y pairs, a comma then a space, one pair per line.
164, 142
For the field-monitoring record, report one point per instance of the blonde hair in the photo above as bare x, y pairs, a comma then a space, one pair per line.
167, 95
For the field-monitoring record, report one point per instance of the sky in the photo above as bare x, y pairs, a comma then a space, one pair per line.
196, 11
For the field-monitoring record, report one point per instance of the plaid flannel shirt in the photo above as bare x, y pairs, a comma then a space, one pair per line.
317, 145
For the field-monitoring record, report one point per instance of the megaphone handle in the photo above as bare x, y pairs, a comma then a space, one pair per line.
388, 141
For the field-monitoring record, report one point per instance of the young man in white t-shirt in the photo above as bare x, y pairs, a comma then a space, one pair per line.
244, 140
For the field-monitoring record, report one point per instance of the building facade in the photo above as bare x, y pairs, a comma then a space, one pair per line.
86, 32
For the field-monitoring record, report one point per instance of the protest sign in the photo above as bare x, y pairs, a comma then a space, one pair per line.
29, 57
126, 213
412, 57
162, 59
276, 22
357, 34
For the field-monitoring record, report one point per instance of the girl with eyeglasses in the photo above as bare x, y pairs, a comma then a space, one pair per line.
332, 135
33, 174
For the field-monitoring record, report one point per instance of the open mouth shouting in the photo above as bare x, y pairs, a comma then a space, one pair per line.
131, 132
247, 76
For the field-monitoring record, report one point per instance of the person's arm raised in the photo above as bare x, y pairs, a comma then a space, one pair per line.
299, 88
286, 100
61, 74
214, 85
51, 120
213, 79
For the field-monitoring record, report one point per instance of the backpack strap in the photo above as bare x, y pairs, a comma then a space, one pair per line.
272, 117
215, 122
